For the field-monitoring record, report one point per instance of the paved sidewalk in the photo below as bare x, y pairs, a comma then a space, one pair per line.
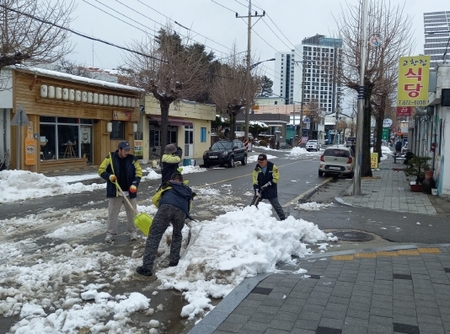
384, 291
388, 189
396, 289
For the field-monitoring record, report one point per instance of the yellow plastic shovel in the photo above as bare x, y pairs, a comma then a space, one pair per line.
142, 220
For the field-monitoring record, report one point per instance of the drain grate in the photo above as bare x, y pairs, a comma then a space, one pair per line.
353, 236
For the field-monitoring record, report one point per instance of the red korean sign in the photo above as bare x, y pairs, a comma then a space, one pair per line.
404, 111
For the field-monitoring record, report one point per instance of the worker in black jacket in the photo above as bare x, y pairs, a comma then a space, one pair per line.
265, 179
169, 162
173, 200
122, 168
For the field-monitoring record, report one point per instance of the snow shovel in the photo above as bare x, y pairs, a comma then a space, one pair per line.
142, 220
255, 200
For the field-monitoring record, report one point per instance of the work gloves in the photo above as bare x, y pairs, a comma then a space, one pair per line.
133, 189
257, 191
112, 178
268, 184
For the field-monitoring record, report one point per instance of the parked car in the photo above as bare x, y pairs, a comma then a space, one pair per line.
225, 152
312, 145
337, 160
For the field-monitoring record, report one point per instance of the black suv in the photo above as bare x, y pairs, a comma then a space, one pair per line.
225, 152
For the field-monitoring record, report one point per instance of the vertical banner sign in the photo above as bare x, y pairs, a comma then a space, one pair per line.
413, 77
374, 160
30, 147
138, 149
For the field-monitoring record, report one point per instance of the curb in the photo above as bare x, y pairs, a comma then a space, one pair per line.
307, 194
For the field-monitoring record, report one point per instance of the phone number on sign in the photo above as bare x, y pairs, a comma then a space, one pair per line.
412, 103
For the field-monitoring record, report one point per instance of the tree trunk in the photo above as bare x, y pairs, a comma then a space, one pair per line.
379, 126
232, 125
366, 169
164, 104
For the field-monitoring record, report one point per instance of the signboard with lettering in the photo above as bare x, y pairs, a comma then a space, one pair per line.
413, 77
374, 160
404, 111
138, 149
121, 115
30, 147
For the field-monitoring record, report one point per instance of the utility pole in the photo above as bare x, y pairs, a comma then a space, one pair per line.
300, 128
361, 99
249, 98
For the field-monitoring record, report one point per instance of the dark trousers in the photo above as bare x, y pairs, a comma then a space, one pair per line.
277, 207
166, 214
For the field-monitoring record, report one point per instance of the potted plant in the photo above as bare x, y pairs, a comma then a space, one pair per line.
416, 168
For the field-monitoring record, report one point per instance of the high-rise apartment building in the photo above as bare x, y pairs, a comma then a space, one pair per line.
437, 36
309, 73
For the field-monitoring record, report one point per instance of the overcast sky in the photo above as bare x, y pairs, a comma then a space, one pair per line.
213, 23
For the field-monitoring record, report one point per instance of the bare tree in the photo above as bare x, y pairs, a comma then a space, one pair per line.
230, 87
67, 66
173, 69
28, 32
394, 28
383, 103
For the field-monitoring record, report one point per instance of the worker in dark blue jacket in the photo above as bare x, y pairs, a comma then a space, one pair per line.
265, 179
173, 200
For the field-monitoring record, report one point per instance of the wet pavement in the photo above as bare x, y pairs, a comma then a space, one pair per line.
386, 288
364, 286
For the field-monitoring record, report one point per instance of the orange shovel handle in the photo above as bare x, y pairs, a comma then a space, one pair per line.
126, 198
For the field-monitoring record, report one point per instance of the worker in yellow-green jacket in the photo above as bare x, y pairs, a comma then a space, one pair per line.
122, 168
169, 162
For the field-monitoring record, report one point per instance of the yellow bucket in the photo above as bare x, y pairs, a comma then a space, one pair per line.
143, 222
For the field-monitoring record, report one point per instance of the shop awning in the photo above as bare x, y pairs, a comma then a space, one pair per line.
173, 121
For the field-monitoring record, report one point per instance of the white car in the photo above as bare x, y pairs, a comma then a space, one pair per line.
338, 161
312, 145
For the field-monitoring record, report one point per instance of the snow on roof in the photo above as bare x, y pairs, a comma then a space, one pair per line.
261, 124
75, 78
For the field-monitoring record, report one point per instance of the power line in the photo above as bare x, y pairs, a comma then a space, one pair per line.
179, 24
233, 11
138, 12
80, 34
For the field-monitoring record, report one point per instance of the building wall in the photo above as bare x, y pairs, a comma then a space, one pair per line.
284, 83
437, 34
443, 134
320, 58
200, 115
28, 87
6, 102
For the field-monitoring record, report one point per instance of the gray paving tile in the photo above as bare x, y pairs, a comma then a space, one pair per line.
282, 324
307, 324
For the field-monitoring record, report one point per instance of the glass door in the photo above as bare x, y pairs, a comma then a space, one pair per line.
188, 141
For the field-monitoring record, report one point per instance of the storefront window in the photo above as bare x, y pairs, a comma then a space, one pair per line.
118, 130
48, 141
154, 138
68, 141
60, 138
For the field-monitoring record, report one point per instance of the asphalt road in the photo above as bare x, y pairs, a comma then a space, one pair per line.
298, 183
298, 180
